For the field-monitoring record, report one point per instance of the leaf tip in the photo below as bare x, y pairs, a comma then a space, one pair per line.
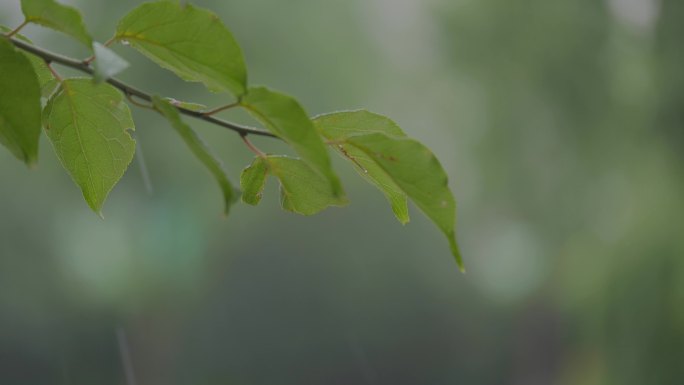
402, 217
31, 162
456, 253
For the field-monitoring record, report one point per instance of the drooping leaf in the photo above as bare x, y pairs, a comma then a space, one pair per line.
199, 148
414, 168
338, 126
19, 104
252, 181
107, 63
88, 126
302, 190
59, 17
192, 42
39, 65
285, 117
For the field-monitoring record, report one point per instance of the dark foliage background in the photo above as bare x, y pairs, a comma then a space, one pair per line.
560, 123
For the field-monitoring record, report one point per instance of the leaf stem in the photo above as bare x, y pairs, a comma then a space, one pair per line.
52, 70
252, 147
222, 108
16, 30
132, 100
131, 90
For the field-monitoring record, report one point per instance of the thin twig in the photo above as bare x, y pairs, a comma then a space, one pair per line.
125, 353
131, 90
142, 166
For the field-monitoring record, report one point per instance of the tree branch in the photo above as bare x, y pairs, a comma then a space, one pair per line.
51, 57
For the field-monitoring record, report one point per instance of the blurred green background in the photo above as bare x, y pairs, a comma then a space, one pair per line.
560, 123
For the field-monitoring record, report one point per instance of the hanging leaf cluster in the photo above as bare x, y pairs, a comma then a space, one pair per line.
88, 122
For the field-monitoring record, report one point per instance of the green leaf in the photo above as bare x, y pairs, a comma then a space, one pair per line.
39, 65
107, 63
285, 117
88, 126
302, 190
43, 74
192, 42
418, 173
252, 181
19, 104
343, 124
49, 88
198, 148
338, 126
59, 17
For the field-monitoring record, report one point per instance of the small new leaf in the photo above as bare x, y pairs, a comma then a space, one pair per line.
19, 104
285, 117
192, 42
88, 126
199, 149
302, 190
107, 63
252, 181
59, 17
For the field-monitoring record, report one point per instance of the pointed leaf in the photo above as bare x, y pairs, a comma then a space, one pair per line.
19, 104
302, 190
59, 17
107, 63
419, 174
338, 126
252, 181
88, 126
285, 117
198, 148
192, 42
